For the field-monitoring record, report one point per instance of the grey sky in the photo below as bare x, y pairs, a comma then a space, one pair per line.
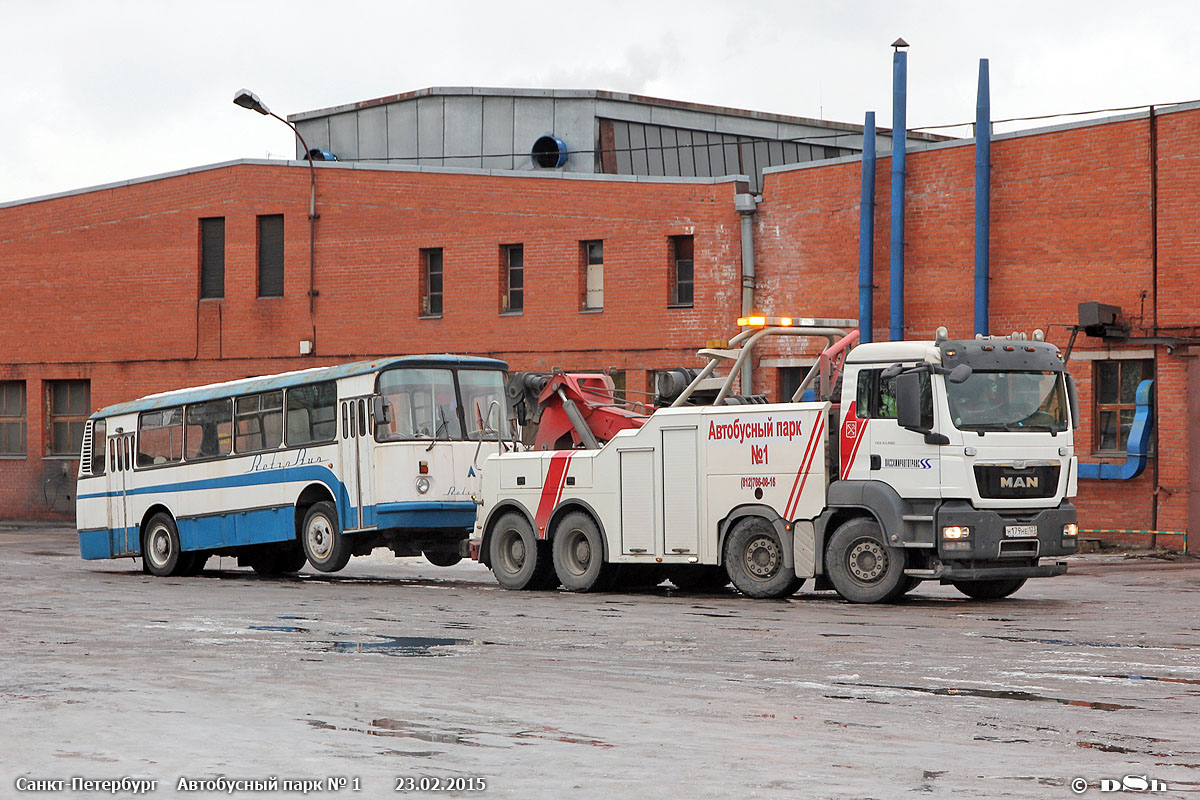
108, 90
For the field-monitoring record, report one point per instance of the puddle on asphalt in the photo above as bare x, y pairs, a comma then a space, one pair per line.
998, 694
462, 736
401, 646
1154, 678
283, 628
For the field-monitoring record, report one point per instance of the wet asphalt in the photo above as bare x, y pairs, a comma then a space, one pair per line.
394, 669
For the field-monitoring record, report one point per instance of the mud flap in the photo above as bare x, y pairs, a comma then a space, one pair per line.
804, 549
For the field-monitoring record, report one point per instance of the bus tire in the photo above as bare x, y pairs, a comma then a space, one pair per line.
325, 546
279, 559
518, 560
754, 561
162, 555
442, 558
192, 563
578, 552
996, 589
862, 567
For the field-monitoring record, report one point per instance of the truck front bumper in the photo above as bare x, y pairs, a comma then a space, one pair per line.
985, 572
1002, 537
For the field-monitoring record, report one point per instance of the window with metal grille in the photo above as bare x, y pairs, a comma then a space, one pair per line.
12, 418
1114, 395
431, 282
682, 273
270, 255
212, 257
513, 299
67, 404
592, 274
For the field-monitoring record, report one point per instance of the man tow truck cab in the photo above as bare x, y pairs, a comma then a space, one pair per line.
949, 461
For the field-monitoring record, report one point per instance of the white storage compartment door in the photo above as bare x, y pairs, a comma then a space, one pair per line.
637, 500
681, 491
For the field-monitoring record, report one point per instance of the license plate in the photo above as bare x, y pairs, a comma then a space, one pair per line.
1020, 530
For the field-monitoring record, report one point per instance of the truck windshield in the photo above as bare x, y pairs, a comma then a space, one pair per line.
1009, 401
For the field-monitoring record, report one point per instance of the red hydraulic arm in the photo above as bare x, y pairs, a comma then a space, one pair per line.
574, 408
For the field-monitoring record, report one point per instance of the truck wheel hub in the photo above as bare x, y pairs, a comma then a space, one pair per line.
868, 561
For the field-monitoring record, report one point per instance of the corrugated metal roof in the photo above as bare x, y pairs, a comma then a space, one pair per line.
266, 383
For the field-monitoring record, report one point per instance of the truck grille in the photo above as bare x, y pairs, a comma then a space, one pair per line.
1003, 482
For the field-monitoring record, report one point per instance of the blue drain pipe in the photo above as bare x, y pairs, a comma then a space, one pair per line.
899, 142
1139, 442
983, 197
866, 234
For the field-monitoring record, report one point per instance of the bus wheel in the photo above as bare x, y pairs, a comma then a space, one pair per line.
442, 558
161, 553
698, 577
279, 559
754, 561
324, 544
192, 563
990, 590
517, 558
861, 565
578, 551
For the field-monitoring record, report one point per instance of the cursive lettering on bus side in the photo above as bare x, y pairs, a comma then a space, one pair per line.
271, 461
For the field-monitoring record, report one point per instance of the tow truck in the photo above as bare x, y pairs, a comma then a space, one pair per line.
946, 460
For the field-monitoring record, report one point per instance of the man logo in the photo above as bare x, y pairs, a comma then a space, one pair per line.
1019, 482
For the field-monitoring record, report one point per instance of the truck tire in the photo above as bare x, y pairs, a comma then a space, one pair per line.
862, 567
325, 546
989, 590
579, 554
442, 558
518, 560
754, 561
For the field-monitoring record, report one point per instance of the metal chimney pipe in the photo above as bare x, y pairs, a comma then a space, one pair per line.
983, 197
899, 142
866, 234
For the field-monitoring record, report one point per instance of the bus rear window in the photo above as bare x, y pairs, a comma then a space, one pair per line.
424, 404
312, 413
259, 422
160, 437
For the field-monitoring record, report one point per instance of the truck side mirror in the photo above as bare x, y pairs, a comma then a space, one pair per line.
1073, 400
908, 400
960, 373
381, 410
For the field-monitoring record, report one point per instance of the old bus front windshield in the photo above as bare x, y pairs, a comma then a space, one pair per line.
426, 403
1009, 401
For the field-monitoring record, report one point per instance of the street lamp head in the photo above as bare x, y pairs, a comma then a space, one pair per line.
248, 99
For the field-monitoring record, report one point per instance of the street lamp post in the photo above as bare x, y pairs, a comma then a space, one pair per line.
248, 99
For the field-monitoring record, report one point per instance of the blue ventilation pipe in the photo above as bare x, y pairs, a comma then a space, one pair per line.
1139, 442
983, 197
866, 234
899, 142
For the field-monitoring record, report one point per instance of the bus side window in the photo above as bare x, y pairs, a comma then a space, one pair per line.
312, 413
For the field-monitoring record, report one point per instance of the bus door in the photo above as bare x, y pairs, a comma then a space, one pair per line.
355, 450
123, 529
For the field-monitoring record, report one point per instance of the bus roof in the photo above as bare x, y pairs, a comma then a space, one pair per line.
266, 383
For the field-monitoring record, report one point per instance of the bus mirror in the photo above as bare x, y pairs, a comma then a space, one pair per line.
960, 373
381, 410
908, 401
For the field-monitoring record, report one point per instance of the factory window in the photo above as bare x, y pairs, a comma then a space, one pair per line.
1115, 399
12, 418
431, 282
270, 255
513, 299
212, 257
67, 404
682, 273
592, 274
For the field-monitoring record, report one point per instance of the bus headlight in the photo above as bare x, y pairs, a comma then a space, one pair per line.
422, 484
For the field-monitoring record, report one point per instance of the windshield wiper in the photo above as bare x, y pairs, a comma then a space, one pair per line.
442, 426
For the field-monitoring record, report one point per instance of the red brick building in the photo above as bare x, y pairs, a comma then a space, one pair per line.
204, 275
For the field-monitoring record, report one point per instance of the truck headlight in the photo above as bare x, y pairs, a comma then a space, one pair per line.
955, 532
1070, 530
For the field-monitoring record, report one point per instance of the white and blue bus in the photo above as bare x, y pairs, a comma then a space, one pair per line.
315, 465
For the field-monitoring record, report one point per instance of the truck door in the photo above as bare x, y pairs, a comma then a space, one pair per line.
681, 491
891, 454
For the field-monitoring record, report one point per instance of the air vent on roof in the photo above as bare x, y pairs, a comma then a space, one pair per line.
549, 152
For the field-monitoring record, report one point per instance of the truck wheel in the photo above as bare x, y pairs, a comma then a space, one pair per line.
579, 554
161, 552
861, 565
989, 590
442, 558
698, 578
754, 561
517, 558
325, 545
